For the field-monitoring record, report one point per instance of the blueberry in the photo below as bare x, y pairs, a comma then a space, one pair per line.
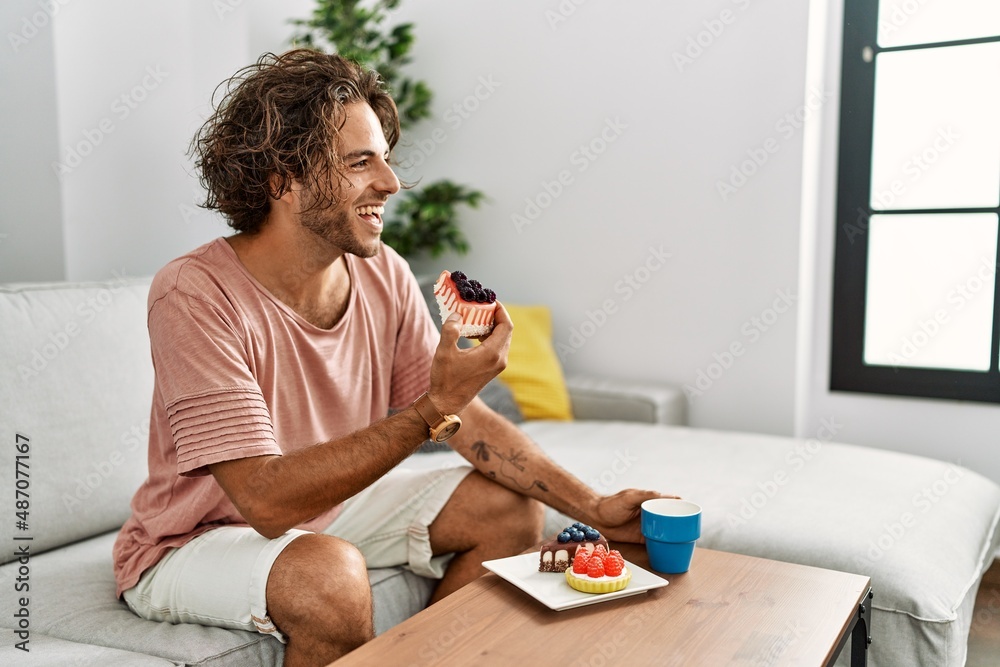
577, 536
563, 537
592, 535
578, 526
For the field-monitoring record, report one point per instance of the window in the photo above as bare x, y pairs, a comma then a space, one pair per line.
915, 307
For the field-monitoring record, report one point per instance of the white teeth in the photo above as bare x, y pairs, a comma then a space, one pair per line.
370, 210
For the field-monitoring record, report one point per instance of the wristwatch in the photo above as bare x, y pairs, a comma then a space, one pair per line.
442, 426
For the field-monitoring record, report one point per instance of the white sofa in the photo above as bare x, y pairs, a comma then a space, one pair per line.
76, 398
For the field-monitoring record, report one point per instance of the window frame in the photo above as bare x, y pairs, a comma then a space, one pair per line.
848, 370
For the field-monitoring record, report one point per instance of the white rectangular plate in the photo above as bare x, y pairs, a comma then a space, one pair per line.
551, 589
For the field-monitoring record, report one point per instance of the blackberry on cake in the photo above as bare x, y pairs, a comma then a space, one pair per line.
455, 292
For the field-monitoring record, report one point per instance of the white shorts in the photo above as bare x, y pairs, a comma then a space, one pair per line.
220, 577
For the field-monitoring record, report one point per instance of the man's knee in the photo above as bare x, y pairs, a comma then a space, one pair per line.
521, 513
319, 587
531, 516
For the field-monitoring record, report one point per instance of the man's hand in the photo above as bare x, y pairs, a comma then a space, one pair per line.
458, 375
617, 517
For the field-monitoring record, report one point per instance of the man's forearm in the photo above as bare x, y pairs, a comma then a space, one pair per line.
275, 493
501, 451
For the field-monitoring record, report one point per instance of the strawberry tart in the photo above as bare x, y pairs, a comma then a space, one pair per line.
600, 572
456, 293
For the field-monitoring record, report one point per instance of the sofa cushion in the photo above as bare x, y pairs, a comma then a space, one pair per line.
534, 373
45, 651
923, 530
73, 600
77, 392
612, 399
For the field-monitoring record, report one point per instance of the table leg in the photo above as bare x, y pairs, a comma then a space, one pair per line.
859, 630
861, 637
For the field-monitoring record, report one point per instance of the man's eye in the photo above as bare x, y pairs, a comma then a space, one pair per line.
361, 164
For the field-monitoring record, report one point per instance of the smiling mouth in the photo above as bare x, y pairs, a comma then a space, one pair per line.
370, 211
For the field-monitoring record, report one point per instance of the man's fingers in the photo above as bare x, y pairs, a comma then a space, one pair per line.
450, 330
637, 496
501, 316
503, 327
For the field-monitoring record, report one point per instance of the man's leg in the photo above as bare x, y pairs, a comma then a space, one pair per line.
309, 591
319, 597
422, 519
481, 521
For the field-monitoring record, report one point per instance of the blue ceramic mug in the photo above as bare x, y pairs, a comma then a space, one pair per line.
671, 527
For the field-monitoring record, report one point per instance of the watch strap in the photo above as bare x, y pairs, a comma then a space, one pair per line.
440, 427
430, 414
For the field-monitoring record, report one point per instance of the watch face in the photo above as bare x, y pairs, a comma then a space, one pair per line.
447, 430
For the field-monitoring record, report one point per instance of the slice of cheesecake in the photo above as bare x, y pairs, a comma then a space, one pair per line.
456, 293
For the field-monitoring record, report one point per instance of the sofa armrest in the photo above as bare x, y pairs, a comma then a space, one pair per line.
602, 398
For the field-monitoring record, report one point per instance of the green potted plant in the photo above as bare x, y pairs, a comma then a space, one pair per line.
425, 220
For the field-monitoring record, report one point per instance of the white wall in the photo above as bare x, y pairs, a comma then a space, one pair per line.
962, 432
550, 83
31, 245
113, 90
532, 86
557, 85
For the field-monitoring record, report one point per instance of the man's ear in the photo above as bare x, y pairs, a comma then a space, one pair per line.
291, 194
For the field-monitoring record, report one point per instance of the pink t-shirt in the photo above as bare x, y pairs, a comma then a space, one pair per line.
238, 374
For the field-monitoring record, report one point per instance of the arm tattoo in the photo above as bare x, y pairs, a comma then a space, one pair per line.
511, 464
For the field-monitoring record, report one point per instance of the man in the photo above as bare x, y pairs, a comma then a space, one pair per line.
278, 353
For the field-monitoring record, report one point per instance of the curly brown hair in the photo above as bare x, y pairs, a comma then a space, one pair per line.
278, 121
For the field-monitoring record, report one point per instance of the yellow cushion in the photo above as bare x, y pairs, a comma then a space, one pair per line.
534, 374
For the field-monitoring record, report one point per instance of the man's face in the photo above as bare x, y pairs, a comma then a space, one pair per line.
354, 225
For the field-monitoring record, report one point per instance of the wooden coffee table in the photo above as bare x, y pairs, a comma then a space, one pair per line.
728, 609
